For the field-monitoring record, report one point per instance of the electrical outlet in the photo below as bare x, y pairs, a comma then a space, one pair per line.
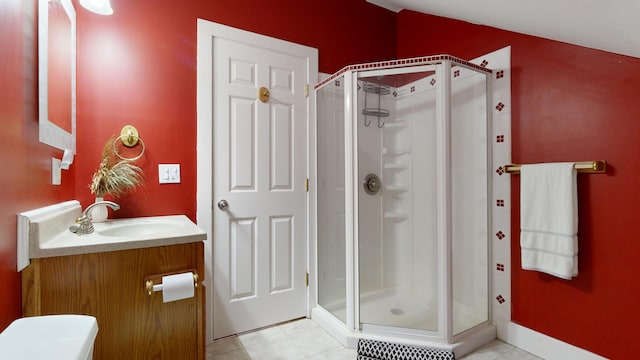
169, 173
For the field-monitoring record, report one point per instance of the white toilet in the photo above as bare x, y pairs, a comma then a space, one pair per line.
51, 337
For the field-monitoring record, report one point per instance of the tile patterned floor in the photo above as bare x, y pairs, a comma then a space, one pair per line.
304, 340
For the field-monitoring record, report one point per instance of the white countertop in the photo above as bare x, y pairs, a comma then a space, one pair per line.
51, 237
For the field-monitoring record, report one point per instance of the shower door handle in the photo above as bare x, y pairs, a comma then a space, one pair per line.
223, 205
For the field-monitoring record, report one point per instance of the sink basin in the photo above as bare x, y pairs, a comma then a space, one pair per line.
49, 236
142, 227
137, 229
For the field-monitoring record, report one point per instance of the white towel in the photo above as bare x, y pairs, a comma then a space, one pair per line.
549, 219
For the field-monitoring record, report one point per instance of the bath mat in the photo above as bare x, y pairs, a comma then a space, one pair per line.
380, 350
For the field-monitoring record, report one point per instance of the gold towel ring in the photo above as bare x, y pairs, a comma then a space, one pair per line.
123, 138
129, 136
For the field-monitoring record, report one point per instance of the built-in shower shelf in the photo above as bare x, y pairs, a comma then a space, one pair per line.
396, 188
395, 125
396, 166
395, 152
396, 216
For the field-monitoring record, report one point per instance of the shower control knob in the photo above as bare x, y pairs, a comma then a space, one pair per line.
223, 205
371, 184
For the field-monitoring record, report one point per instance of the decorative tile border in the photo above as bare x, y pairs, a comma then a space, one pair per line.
500, 62
424, 60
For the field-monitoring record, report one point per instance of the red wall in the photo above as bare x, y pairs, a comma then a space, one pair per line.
138, 67
568, 103
26, 164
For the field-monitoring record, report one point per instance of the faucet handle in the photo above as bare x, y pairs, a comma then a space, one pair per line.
85, 226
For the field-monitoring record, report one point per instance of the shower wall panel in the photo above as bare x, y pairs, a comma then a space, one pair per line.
417, 150
370, 246
331, 200
469, 203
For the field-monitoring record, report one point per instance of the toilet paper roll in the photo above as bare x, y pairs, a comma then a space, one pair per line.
177, 287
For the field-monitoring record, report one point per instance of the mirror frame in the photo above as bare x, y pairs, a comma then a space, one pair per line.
50, 133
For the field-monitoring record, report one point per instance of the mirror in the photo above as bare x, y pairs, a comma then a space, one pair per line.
57, 73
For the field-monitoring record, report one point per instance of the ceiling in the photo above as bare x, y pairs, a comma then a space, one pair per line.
609, 25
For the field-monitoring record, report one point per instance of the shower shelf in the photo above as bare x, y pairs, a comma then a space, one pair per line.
396, 216
378, 112
396, 166
375, 112
396, 188
396, 125
396, 152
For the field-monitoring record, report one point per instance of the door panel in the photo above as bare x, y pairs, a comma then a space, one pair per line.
260, 166
242, 242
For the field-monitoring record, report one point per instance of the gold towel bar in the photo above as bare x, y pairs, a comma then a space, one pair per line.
597, 167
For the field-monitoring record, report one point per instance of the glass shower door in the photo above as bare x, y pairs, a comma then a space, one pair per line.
469, 200
331, 199
397, 239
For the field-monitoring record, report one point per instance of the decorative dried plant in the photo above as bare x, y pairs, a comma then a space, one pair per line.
115, 176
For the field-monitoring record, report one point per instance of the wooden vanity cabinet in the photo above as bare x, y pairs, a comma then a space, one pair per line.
132, 324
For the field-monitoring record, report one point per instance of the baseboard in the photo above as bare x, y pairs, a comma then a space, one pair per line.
541, 345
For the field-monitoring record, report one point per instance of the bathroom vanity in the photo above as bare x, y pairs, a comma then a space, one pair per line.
106, 278
110, 286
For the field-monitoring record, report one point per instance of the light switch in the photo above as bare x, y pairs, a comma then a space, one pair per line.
169, 173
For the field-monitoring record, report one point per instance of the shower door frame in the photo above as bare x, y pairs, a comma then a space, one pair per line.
444, 334
443, 116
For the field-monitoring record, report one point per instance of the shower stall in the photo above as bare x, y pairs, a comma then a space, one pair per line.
403, 189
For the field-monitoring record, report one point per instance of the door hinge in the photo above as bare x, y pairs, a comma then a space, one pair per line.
307, 279
306, 90
307, 185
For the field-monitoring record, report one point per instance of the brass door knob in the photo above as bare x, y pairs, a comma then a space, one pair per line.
263, 94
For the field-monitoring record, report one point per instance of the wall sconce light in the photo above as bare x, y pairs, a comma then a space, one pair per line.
102, 7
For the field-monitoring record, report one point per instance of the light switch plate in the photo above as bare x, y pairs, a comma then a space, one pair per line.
169, 173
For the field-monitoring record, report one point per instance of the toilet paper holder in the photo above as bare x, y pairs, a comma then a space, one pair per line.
153, 283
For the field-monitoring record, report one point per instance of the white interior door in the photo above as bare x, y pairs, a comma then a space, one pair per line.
259, 215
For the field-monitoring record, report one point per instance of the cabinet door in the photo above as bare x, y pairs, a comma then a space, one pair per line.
110, 286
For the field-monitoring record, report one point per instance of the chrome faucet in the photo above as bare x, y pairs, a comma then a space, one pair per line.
85, 224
